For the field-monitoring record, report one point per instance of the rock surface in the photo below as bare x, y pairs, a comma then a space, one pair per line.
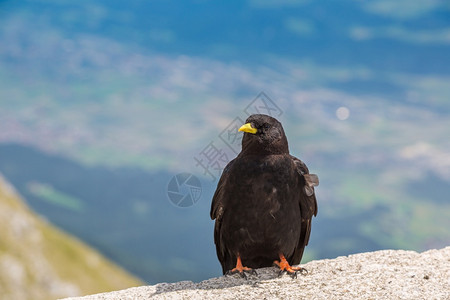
386, 274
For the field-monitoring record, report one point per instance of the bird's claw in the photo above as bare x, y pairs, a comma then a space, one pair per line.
286, 268
292, 273
242, 273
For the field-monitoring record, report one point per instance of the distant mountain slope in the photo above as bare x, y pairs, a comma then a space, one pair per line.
38, 261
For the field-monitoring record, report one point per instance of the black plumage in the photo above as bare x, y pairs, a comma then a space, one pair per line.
264, 202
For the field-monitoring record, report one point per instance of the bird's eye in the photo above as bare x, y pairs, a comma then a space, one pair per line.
266, 126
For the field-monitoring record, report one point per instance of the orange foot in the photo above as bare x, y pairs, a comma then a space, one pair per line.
286, 268
241, 269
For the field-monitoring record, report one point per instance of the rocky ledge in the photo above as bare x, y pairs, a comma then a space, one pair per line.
386, 274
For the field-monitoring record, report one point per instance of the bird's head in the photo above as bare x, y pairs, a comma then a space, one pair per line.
263, 135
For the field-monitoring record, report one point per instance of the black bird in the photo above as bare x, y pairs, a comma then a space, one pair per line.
264, 203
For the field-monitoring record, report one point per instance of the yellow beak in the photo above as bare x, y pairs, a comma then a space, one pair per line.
248, 128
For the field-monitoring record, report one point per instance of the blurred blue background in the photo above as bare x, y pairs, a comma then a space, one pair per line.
103, 102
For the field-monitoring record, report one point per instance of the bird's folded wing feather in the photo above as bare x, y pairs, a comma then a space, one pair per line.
217, 210
308, 206
218, 198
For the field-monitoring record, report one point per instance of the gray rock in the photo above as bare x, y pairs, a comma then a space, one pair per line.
386, 274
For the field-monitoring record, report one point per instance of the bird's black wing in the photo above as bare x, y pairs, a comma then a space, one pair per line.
308, 207
217, 210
